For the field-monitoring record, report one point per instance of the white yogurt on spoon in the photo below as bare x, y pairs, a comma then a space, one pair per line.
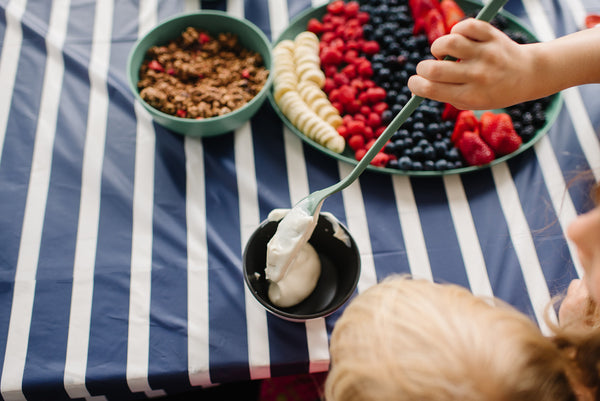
293, 266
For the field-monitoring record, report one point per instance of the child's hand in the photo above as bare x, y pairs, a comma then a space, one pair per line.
493, 71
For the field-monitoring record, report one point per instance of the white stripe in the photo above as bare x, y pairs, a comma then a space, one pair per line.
235, 8
316, 333
35, 207
466, 234
522, 241
198, 349
89, 208
356, 219
138, 337
578, 12
565, 210
9, 60
198, 337
416, 250
278, 17
256, 316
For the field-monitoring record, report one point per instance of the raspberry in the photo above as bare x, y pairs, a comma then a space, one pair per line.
380, 107
336, 7
181, 113
360, 153
373, 120
315, 26
365, 69
203, 38
356, 141
356, 127
347, 94
343, 131
331, 56
352, 8
376, 94
370, 47
380, 159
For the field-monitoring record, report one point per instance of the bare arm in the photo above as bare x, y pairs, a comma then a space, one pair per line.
495, 71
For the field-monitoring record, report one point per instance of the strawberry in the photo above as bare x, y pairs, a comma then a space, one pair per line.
498, 131
452, 13
450, 112
465, 121
474, 149
434, 25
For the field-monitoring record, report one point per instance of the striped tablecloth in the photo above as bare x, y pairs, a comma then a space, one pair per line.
121, 242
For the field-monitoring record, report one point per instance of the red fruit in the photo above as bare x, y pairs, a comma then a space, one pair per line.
450, 112
356, 142
203, 38
380, 159
434, 25
336, 7
498, 131
452, 13
350, 56
343, 131
370, 47
420, 8
373, 120
380, 107
341, 79
245, 73
331, 56
365, 69
368, 133
376, 94
352, 8
346, 94
356, 127
156, 66
329, 85
181, 113
349, 71
466, 121
365, 110
360, 153
592, 20
315, 26
363, 17
474, 149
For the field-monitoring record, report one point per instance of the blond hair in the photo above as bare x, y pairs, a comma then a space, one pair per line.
407, 340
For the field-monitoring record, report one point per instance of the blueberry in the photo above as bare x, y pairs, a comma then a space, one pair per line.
452, 154
405, 163
441, 164
393, 163
428, 165
417, 165
386, 117
429, 152
418, 125
527, 132
418, 135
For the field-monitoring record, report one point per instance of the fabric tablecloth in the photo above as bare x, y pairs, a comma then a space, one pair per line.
121, 242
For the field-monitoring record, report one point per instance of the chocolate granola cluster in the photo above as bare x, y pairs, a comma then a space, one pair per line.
201, 76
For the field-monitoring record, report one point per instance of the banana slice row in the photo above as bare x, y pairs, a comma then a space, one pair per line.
297, 83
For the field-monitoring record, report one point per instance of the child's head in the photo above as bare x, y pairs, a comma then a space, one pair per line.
414, 340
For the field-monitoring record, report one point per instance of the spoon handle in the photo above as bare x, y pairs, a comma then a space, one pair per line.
314, 200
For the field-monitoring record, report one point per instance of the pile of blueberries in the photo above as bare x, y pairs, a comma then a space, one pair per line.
423, 142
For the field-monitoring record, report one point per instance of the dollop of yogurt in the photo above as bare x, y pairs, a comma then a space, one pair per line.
294, 230
300, 279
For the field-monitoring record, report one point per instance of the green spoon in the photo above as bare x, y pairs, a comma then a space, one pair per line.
311, 204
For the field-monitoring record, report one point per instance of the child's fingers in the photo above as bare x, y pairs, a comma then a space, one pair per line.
443, 71
473, 29
455, 45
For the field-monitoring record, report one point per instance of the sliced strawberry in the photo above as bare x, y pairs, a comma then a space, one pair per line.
450, 112
435, 26
474, 149
452, 13
466, 121
498, 131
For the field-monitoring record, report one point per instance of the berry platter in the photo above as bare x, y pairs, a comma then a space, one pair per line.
427, 126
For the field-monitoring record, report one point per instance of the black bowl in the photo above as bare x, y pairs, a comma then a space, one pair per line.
340, 270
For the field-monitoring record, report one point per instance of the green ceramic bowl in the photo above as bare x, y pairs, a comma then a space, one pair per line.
214, 22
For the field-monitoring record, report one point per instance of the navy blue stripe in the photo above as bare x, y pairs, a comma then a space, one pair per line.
214, 5
50, 317
168, 313
438, 229
503, 268
228, 346
15, 165
257, 11
385, 231
107, 353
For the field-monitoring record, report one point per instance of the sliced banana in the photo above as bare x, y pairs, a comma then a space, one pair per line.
297, 83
